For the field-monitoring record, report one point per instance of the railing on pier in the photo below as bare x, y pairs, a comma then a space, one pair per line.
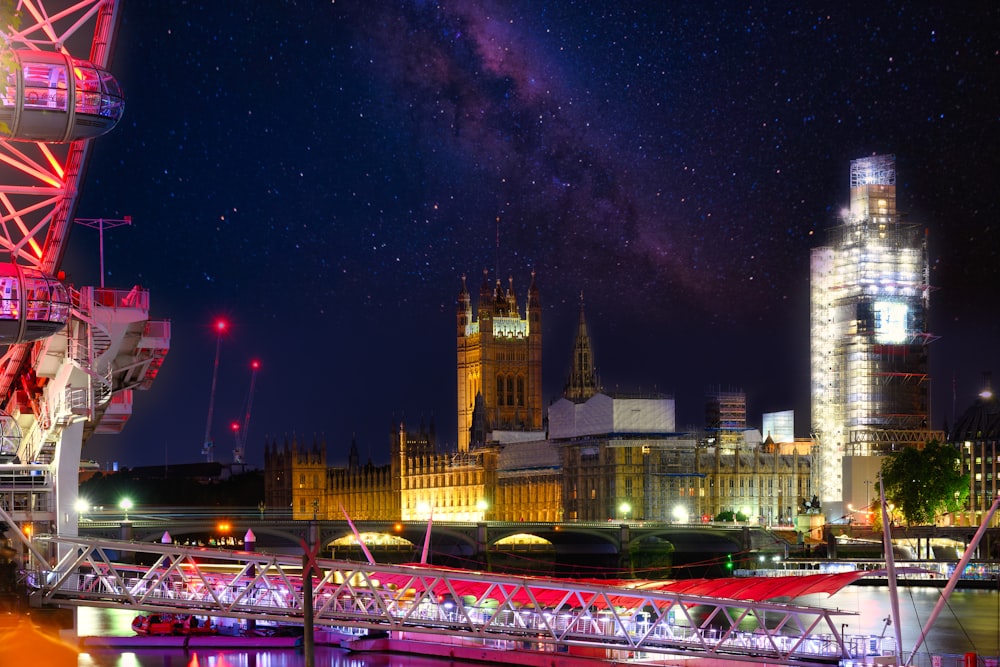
550, 614
916, 570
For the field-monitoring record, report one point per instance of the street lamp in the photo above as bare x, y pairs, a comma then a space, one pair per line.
970, 508
126, 505
625, 508
680, 514
482, 506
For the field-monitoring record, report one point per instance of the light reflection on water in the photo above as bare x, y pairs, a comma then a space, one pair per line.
971, 622
219, 658
325, 656
96, 622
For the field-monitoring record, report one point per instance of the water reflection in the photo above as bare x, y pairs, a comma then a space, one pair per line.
95, 622
328, 657
971, 622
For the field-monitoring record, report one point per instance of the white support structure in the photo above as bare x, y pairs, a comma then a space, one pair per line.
90, 369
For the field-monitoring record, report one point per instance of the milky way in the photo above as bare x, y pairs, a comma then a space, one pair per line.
324, 175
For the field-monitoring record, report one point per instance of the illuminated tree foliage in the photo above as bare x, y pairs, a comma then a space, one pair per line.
923, 483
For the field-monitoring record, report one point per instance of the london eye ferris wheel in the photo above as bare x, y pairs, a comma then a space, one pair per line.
56, 95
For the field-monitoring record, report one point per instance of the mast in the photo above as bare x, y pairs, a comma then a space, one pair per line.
953, 579
890, 570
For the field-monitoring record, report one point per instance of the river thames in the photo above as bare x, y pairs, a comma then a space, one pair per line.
970, 623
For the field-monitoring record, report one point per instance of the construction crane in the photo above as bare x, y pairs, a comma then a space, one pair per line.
240, 429
208, 449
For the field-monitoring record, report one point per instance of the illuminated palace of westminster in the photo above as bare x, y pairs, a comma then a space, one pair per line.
594, 455
603, 455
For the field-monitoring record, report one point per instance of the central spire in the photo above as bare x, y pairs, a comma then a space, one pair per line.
582, 382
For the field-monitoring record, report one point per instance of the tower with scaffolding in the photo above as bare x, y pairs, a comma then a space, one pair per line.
726, 417
870, 295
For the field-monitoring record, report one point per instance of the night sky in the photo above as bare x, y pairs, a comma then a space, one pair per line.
324, 174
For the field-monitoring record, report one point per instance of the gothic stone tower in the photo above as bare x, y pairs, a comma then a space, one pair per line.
500, 358
582, 383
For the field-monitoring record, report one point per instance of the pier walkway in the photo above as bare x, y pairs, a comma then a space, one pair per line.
517, 612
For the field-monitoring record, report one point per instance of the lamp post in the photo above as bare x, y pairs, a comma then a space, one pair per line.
970, 516
625, 508
680, 514
125, 527
100, 224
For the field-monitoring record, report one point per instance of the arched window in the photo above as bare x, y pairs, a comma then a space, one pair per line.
520, 391
510, 390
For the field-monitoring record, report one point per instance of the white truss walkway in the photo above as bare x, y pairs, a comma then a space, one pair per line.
420, 599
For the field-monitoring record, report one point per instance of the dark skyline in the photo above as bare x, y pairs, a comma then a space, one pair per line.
324, 176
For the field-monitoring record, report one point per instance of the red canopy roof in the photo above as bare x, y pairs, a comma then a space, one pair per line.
551, 592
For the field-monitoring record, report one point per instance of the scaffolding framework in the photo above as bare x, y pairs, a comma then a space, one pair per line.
726, 417
870, 301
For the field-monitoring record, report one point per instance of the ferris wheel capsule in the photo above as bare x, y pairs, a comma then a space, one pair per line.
33, 305
55, 98
10, 438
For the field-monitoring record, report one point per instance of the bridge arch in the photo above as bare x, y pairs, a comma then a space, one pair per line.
561, 538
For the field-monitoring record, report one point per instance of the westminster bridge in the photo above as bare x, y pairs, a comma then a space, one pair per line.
602, 545
707, 549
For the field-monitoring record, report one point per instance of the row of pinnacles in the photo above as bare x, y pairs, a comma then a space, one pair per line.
301, 483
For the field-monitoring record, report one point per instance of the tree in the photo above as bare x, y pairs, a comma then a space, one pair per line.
923, 483
730, 515
810, 506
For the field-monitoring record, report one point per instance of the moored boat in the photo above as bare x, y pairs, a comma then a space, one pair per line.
172, 624
154, 624
192, 625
